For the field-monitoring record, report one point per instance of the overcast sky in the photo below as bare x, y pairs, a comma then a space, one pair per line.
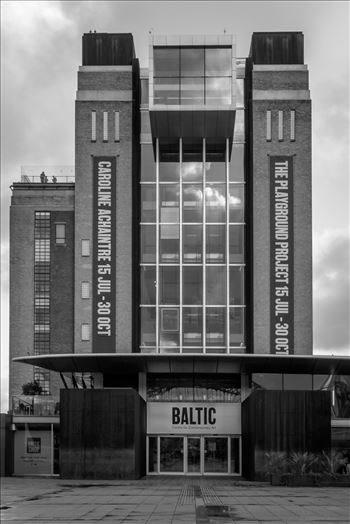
40, 54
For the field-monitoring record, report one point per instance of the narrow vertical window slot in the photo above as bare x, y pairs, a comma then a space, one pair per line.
268, 125
85, 289
85, 248
280, 125
93, 126
105, 126
292, 125
116, 126
85, 332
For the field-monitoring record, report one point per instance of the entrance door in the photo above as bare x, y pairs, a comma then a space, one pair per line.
193, 455
171, 456
215, 455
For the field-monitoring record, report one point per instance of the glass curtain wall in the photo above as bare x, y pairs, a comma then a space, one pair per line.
192, 248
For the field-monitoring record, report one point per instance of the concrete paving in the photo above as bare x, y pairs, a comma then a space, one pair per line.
169, 500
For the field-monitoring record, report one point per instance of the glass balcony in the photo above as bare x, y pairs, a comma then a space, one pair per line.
36, 406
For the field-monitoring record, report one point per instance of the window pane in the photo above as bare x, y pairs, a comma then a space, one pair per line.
169, 285
148, 203
240, 92
144, 91
169, 171
297, 382
237, 326
192, 91
60, 233
148, 244
236, 244
267, 380
215, 171
148, 285
192, 61
218, 62
169, 203
192, 326
236, 167
85, 248
166, 61
192, 172
171, 454
236, 285
215, 326
169, 249
215, 455
152, 455
236, 203
215, 201
192, 237
192, 150
192, 285
216, 285
238, 133
167, 91
218, 91
148, 327
215, 244
169, 327
148, 165
192, 203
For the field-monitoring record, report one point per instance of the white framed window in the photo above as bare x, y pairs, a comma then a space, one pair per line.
85, 289
280, 125
93, 126
85, 332
268, 125
60, 233
105, 126
116, 126
85, 248
292, 125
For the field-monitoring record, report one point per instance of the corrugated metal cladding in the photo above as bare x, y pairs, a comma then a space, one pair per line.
277, 48
108, 49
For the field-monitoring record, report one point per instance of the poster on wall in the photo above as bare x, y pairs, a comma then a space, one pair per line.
281, 250
104, 252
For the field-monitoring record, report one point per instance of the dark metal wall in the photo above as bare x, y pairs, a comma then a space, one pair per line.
108, 49
103, 434
277, 48
283, 421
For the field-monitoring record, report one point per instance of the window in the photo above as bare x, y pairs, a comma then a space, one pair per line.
116, 126
268, 125
85, 248
292, 125
85, 290
105, 126
60, 233
280, 125
93, 126
85, 332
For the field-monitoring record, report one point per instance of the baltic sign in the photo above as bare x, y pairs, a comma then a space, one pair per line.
193, 417
104, 219
281, 235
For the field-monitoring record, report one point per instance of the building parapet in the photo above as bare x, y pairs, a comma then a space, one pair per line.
47, 174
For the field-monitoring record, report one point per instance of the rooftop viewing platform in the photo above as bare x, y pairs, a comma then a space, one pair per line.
47, 175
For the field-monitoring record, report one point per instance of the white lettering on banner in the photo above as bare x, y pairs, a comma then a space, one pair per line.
104, 246
194, 417
281, 260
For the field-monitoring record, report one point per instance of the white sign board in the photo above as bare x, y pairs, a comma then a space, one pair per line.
194, 418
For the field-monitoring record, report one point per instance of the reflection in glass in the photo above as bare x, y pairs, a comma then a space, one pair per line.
192, 172
236, 239
215, 202
145, 123
144, 91
192, 285
169, 203
215, 171
217, 91
148, 327
148, 285
169, 328
236, 285
148, 244
169, 171
171, 454
236, 203
297, 382
167, 91
238, 133
152, 455
192, 61
192, 202
148, 164
169, 243
267, 381
215, 455
166, 61
215, 244
218, 62
237, 326
235, 458
236, 166
192, 326
148, 203
215, 326
192, 238
192, 150
193, 454
240, 92
169, 285
216, 285
192, 91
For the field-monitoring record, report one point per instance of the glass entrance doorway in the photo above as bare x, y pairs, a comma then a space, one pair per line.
193, 455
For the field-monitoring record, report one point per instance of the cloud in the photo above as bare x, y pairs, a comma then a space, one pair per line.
331, 289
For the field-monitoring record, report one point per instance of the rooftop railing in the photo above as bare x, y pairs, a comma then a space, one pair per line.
47, 174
